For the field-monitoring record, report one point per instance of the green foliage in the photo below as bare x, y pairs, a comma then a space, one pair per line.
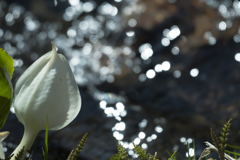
173, 156
231, 146
215, 140
6, 62
219, 146
223, 138
182, 158
6, 89
194, 149
71, 156
234, 153
154, 157
74, 153
121, 155
46, 142
188, 151
143, 155
188, 147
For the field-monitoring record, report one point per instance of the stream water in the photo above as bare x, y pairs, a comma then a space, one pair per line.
158, 73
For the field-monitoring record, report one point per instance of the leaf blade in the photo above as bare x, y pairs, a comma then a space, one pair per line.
6, 62
6, 89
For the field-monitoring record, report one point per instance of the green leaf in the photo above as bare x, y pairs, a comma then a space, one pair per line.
6, 62
46, 142
6, 89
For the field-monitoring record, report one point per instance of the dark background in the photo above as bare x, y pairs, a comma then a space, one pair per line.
183, 107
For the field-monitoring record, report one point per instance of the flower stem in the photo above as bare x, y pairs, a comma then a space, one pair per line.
27, 141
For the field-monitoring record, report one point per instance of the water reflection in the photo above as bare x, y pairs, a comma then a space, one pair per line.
98, 40
120, 126
222, 26
190, 153
150, 74
177, 74
237, 57
194, 72
175, 50
143, 123
158, 129
141, 135
166, 66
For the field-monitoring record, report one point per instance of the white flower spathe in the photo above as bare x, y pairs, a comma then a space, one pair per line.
47, 89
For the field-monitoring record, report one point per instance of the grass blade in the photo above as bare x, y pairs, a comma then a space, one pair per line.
173, 155
168, 153
180, 156
46, 142
189, 158
234, 153
231, 146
